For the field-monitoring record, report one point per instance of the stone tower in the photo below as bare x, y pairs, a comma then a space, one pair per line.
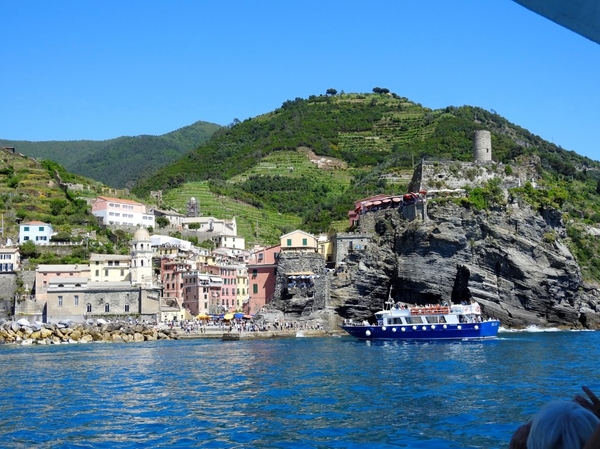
141, 257
192, 207
482, 146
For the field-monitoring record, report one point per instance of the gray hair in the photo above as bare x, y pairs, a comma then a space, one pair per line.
561, 425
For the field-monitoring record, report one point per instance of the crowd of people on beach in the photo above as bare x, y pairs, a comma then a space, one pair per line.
562, 425
241, 325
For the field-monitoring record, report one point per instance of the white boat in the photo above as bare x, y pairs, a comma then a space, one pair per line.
454, 322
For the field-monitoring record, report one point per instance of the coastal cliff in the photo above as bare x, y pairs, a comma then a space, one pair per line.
509, 259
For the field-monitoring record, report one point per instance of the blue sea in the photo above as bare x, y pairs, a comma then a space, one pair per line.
297, 393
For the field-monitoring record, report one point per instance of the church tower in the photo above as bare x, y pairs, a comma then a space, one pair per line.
141, 258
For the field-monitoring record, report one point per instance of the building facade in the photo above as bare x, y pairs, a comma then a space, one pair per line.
262, 274
37, 232
10, 259
116, 211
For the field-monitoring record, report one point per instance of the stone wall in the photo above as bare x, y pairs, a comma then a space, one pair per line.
302, 302
345, 243
8, 285
436, 175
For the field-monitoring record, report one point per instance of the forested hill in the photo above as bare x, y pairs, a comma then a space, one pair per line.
122, 161
371, 138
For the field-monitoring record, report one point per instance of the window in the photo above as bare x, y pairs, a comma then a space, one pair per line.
97, 272
105, 272
304, 242
26, 228
289, 242
76, 299
126, 307
41, 228
254, 272
60, 301
255, 288
106, 308
88, 308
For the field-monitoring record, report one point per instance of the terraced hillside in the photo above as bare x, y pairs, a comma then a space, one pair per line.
29, 191
255, 225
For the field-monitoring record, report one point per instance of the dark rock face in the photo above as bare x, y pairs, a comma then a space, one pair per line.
503, 259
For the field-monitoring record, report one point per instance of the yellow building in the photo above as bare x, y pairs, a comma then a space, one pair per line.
110, 268
299, 241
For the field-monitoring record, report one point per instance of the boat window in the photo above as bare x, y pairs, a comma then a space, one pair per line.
413, 320
394, 321
436, 319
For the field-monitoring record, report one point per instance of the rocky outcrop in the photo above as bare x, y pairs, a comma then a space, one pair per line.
22, 332
510, 260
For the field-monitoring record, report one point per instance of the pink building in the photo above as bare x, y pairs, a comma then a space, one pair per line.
171, 276
60, 276
121, 212
202, 292
262, 270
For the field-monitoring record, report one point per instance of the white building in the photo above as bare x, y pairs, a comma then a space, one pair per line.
121, 212
35, 231
233, 242
141, 258
212, 224
10, 259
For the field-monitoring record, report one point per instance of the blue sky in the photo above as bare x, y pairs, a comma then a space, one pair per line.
99, 69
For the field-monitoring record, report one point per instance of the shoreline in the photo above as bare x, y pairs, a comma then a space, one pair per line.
257, 335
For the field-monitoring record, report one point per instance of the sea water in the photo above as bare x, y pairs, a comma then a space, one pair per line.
288, 393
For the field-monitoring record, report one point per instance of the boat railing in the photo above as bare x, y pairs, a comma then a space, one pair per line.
435, 310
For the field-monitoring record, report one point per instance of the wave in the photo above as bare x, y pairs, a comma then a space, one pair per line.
537, 329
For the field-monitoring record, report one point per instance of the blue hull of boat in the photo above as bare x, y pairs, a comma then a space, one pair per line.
463, 331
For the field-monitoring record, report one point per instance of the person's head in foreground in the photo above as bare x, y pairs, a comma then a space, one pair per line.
561, 425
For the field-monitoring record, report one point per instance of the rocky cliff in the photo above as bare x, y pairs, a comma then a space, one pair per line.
510, 260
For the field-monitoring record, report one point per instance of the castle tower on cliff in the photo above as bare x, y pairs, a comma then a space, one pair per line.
482, 146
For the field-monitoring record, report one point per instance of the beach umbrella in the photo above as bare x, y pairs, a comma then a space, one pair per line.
237, 316
228, 316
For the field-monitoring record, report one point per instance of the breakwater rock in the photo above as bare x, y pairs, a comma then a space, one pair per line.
22, 332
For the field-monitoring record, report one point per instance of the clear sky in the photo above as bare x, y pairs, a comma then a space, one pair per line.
99, 69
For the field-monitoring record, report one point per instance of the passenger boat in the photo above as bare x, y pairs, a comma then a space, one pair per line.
454, 322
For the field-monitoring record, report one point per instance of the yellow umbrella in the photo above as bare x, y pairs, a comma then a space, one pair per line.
229, 316
202, 316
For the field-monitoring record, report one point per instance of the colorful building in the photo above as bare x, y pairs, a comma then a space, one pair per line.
262, 271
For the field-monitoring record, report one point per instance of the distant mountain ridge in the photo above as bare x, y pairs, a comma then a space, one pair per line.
119, 162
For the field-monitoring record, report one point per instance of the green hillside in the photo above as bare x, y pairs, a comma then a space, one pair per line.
29, 190
375, 137
119, 162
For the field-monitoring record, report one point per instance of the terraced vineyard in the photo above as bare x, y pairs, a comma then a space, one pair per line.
255, 225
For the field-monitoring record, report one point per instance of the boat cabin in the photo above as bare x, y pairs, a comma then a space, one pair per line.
454, 314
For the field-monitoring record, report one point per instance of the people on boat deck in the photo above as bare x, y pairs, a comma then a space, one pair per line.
562, 425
